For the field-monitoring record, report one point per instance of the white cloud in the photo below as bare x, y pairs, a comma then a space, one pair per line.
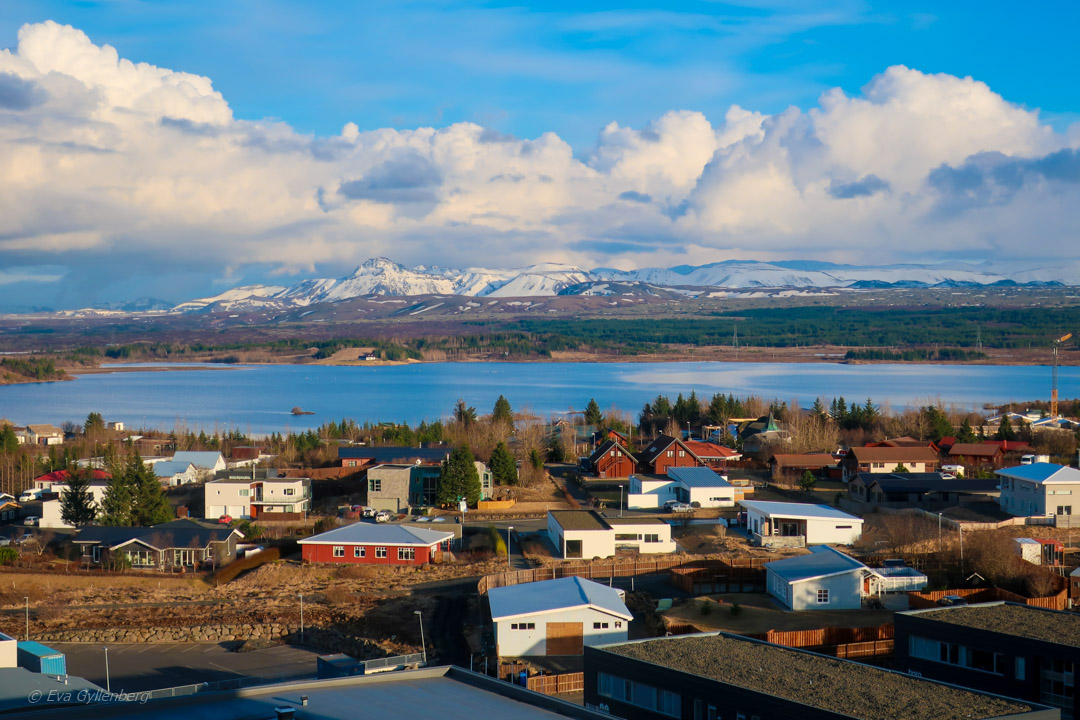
131, 166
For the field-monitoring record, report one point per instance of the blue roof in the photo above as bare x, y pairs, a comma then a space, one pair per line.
168, 468
1042, 472
37, 649
206, 459
802, 510
822, 561
697, 477
547, 595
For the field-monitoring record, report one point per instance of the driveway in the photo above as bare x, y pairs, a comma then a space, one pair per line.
137, 667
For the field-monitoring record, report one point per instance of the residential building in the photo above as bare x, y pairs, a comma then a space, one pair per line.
172, 473
586, 534
362, 457
363, 543
44, 435
827, 579
791, 466
9, 508
783, 524
888, 460
700, 485
206, 463
713, 455
557, 617
611, 459
718, 675
175, 545
759, 435
666, 452
1017, 650
388, 487
977, 455
51, 511
449, 692
928, 491
260, 498
46, 482
1040, 489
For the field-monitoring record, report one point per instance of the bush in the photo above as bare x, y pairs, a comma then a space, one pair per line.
736, 609
706, 607
8, 555
498, 544
233, 569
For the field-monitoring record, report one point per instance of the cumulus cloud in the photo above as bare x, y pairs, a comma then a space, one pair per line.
130, 168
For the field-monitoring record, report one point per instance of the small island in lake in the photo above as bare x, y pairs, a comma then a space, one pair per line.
300, 411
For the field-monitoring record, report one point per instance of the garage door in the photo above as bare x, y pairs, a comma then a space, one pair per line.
564, 638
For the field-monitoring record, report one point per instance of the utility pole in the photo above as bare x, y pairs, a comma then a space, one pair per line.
108, 685
301, 617
423, 648
27, 600
509, 532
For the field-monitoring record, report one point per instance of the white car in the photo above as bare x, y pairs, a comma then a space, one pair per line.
675, 506
383, 516
30, 496
32, 521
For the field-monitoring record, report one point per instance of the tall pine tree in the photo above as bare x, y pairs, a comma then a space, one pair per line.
502, 412
592, 413
115, 507
503, 466
77, 502
459, 478
148, 503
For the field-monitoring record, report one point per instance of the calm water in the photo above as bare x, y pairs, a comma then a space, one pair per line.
257, 399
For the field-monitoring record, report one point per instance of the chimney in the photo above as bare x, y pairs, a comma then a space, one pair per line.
285, 712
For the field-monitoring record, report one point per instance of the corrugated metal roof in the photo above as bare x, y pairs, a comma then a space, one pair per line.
549, 595
1042, 472
700, 477
821, 561
364, 533
168, 468
37, 649
797, 510
199, 459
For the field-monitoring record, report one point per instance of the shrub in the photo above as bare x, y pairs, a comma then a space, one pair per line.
498, 544
8, 555
233, 569
706, 607
736, 609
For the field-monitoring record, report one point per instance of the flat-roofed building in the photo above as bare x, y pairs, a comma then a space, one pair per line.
586, 534
784, 524
717, 675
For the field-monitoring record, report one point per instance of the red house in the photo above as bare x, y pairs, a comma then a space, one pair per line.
713, 455
666, 452
612, 460
370, 544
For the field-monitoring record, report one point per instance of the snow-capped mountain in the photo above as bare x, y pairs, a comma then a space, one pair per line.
380, 276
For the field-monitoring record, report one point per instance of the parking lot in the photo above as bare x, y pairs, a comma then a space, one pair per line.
138, 667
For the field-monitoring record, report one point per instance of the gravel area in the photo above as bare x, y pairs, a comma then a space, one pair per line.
1019, 620
855, 690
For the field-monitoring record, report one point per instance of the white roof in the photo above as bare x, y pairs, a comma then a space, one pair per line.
551, 595
797, 510
362, 533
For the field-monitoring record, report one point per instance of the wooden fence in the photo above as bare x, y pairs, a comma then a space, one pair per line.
925, 600
718, 576
841, 642
602, 570
557, 684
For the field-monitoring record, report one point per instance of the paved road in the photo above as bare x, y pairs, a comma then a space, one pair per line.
137, 667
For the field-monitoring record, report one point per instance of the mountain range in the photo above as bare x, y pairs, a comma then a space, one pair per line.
379, 276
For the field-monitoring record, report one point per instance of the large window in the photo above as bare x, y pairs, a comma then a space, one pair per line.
359, 551
986, 661
374, 485
644, 696
406, 553
1058, 684
620, 537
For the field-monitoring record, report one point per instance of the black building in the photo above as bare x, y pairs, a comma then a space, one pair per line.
1016, 650
727, 677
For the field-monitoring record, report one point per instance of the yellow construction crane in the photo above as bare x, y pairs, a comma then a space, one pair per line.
1054, 388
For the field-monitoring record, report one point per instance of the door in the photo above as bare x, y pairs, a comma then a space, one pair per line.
564, 638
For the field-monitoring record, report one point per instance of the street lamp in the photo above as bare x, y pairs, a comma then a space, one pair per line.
423, 647
108, 685
301, 617
509, 532
27, 599
939, 532
620, 499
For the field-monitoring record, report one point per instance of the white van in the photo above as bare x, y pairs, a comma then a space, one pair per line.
1032, 459
952, 471
30, 495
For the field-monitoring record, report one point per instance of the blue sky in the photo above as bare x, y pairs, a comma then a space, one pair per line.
568, 67
271, 141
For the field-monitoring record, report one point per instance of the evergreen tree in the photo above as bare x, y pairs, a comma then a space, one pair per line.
148, 503
502, 412
77, 502
938, 423
661, 407
870, 415
818, 409
592, 413
1005, 429
717, 414
807, 481
9, 443
463, 413
966, 433
115, 507
94, 425
458, 478
503, 466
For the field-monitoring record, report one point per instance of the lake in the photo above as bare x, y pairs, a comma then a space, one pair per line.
257, 399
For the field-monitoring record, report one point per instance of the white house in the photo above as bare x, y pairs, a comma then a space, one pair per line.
44, 435
50, 509
826, 579
175, 472
1040, 489
557, 617
266, 498
585, 534
700, 485
206, 463
783, 524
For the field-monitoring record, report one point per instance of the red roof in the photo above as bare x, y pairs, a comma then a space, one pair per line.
710, 450
1009, 445
60, 476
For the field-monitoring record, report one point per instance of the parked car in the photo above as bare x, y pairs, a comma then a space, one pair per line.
423, 518
383, 516
225, 519
32, 521
675, 506
952, 600
368, 512
29, 496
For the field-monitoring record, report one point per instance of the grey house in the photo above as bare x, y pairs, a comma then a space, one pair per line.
826, 579
175, 545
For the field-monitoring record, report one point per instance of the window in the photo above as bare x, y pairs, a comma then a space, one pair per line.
380, 552
339, 551
523, 626
618, 624
1058, 682
843, 527
651, 538
823, 596
644, 696
290, 491
671, 453
599, 626
1064, 509
1021, 670
359, 551
374, 484
682, 453
626, 536
406, 553
245, 493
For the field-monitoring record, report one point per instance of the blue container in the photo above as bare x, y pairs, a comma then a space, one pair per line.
39, 658
338, 666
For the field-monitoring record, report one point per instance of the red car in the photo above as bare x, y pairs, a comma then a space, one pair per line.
225, 519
